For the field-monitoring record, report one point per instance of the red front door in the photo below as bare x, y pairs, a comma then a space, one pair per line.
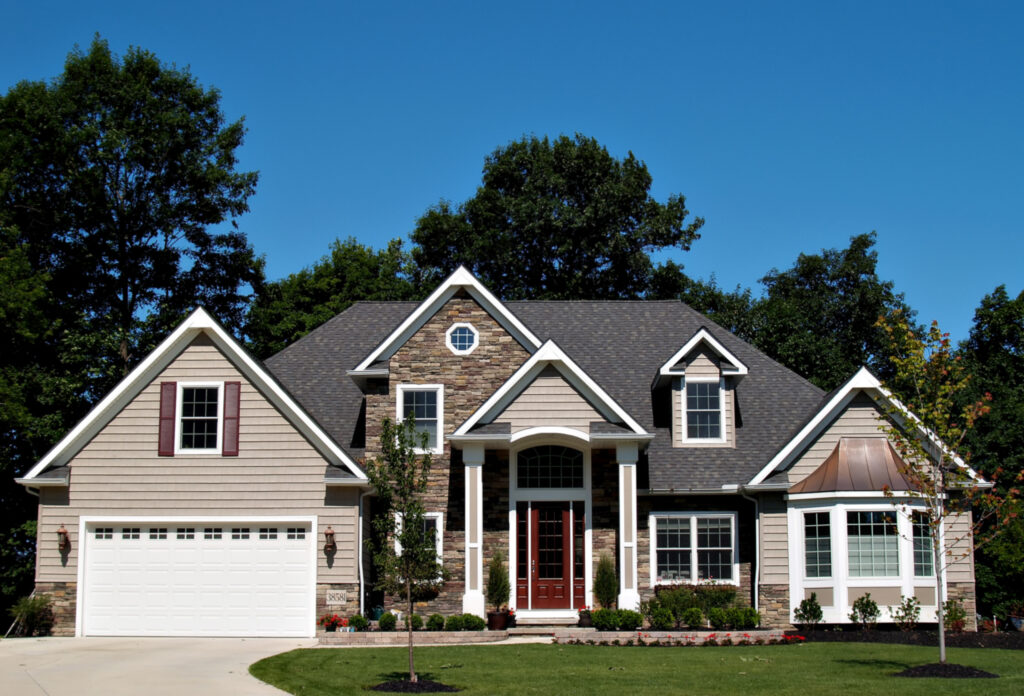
551, 561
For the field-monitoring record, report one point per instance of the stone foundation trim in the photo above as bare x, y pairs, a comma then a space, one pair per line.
63, 604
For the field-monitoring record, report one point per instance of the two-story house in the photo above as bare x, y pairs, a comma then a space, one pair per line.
210, 494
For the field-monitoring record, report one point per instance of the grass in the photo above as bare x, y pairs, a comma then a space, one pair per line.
822, 668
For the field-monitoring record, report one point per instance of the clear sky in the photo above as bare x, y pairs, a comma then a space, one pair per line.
788, 126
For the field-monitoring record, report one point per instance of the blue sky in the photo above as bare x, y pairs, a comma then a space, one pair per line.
789, 127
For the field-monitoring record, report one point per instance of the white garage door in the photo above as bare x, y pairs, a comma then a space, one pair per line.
199, 579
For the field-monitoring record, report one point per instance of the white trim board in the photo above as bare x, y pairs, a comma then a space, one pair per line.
733, 364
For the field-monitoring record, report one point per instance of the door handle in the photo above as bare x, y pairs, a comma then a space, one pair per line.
533, 567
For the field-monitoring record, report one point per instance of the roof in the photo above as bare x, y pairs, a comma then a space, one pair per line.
860, 464
620, 345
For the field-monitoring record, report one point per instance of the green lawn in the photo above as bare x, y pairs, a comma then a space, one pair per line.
801, 670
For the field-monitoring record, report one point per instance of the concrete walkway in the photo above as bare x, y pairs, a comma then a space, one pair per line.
137, 666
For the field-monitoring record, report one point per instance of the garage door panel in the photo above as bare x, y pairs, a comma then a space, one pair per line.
213, 580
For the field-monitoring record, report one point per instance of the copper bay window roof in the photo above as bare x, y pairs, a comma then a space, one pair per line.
859, 464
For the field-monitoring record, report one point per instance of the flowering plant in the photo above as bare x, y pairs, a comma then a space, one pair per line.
333, 621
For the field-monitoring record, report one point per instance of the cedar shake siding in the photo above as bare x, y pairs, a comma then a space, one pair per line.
121, 473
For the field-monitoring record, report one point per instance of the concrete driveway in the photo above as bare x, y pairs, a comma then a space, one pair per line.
137, 666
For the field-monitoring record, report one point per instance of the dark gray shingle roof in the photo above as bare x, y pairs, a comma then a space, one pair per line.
620, 345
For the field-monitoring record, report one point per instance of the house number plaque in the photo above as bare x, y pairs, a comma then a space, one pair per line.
337, 597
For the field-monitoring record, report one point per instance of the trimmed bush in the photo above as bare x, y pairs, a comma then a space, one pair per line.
630, 620
606, 584
498, 587
865, 611
387, 621
907, 613
809, 612
472, 622
454, 623
718, 617
661, 619
743, 617
677, 599
359, 623
435, 623
417, 622
710, 597
693, 617
605, 619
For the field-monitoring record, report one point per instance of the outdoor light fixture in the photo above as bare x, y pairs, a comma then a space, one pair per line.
329, 546
63, 542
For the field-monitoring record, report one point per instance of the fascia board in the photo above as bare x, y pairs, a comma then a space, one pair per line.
736, 367
461, 278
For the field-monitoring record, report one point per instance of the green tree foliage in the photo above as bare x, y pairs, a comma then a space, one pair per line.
732, 310
606, 582
818, 318
559, 219
112, 175
288, 309
399, 477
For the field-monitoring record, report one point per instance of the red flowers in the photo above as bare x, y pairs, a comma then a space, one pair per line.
332, 621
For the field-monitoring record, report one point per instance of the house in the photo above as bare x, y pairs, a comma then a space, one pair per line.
210, 494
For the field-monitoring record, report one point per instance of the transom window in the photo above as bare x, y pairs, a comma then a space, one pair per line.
104, 532
693, 547
158, 533
268, 532
817, 545
200, 418
186, 532
425, 405
549, 466
212, 533
462, 339
703, 411
130, 532
296, 533
873, 544
239, 533
924, 558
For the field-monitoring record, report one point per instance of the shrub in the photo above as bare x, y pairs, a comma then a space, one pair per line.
359, 623
718, 617
743, 617
677, 599
472, 622
954, 615
435, 623
907, 613
606, 584
661, 619
809, 612
455, 623
630, 620
865, 611
387, 621
709, 597
417, 622
605, 619
693, 617
498, 587
34, 615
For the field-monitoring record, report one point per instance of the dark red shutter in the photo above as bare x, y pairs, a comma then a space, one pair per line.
232, 399
168, 395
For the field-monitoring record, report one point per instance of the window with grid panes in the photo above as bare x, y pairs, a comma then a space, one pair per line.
200, 416
549, 466
873, 544
817, 545
924, 563
421, 404
673, 548
703, 411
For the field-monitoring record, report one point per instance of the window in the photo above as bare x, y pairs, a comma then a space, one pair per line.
199, 417
462, 339
186, 532
158, 533
703, 411
873, 544
239, 532
817, 545
924, 563
426, 405
693, 547
212, 533
104, 532
130, 532
549, 466
268, 532
296, 533
433, 527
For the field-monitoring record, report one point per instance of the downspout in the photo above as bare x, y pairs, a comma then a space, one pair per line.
362, 553
757, 550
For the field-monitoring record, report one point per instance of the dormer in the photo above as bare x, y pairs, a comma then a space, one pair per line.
703, 375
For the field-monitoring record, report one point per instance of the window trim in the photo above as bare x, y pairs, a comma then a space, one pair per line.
400, 407
438, 538
652, 527
461, 325
179, 402
684, 429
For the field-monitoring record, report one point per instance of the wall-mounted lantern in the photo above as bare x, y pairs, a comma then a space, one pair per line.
330, 547
63, 541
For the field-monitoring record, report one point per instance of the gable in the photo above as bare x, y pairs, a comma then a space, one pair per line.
549, 400
861, 418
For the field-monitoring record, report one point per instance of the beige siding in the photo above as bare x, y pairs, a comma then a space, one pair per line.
549, 400
861, 418
958, 542
702, 364
774, 541
277, 473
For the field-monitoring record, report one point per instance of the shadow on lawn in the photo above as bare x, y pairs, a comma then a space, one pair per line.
880, 664
403, 676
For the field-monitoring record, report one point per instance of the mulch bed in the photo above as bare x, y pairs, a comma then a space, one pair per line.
423, 686
946, 671
1005, 640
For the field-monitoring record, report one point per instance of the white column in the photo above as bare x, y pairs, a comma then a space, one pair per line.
473, 599
629, 591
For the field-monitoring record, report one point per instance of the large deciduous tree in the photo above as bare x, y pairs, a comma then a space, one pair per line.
288, 309
555, 219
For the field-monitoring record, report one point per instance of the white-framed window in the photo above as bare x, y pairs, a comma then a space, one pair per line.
462, 339
703, 410
924, 553
433, 526
425, 403
817, 545
872, 543
199, 419
690, 547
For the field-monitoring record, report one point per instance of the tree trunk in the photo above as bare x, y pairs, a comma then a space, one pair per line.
940, 573
408, 628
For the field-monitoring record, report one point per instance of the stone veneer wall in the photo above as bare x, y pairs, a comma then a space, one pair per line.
774, 606
965, 592
63, 604
468, 381
349, 608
